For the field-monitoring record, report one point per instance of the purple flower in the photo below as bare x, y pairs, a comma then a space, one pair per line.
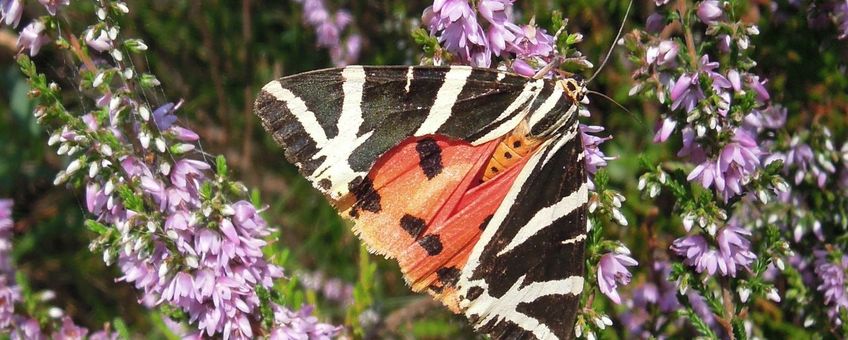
664, 130
501, 30
664, 53
460, 33
9, 295
33, 37
772, 118
70, 331
53, 5
28, 329
594, 157
6, 215
759, 88
11, 11
612, 271
690, 148
723, 43
735, 248
164, 115
686, 92
300, 325
329, 28
840, 14
101, 42
533, 42
699, 255
523, 68
655, 23
736, 162
831, 278
709, 11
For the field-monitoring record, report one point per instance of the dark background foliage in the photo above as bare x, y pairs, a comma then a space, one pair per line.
216, 55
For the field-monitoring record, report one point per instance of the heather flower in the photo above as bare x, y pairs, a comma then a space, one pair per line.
594, 157
699, 255
686, 92
709, 11
840, 14
772, 117
735, 247
53, 5
664, 130
758, 86
655, 23
832, 283
460, 33
501, 31
300, 325
33, 37
665, 53
11, 11
9, 295
102, 42
612, 271
735, 164
533, 42
329, 29
70, 331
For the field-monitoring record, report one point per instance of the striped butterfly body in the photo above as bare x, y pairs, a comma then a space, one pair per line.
472, 179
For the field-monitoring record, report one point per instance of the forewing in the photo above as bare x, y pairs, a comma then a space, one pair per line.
335, 123
524, 276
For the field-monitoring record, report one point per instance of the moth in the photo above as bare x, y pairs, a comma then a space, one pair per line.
472, 179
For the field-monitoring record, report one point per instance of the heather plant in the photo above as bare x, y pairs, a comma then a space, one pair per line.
727, 219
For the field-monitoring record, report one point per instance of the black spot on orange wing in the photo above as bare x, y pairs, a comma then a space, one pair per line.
516, 144
507, 155
432, 244
413, 225
448, 275
430, 157
367, 198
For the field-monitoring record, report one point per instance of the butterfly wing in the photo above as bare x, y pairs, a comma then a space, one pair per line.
397, 149
523, 278
335, 123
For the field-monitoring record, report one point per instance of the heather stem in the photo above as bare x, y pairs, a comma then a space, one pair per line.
687, 32
726, 320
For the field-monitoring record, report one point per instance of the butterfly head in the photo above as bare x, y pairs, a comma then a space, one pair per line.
574, 88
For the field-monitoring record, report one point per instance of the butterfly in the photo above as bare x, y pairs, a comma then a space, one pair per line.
472, 179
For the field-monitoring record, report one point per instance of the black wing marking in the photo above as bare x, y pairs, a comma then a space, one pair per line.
524, 277
335, 123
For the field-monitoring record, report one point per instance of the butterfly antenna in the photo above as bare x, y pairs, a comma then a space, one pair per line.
617, 104
614, 42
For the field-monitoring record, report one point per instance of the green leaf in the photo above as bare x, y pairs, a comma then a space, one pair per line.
221, 166
96, 227
121, 328
130, 199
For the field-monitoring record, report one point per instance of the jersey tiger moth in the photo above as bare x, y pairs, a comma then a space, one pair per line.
472, 179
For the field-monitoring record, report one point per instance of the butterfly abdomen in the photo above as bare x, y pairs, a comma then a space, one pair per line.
511, 149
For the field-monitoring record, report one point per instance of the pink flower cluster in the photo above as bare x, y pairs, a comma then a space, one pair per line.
329, 27
20, 326
734, 251
456, 24
202, 253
